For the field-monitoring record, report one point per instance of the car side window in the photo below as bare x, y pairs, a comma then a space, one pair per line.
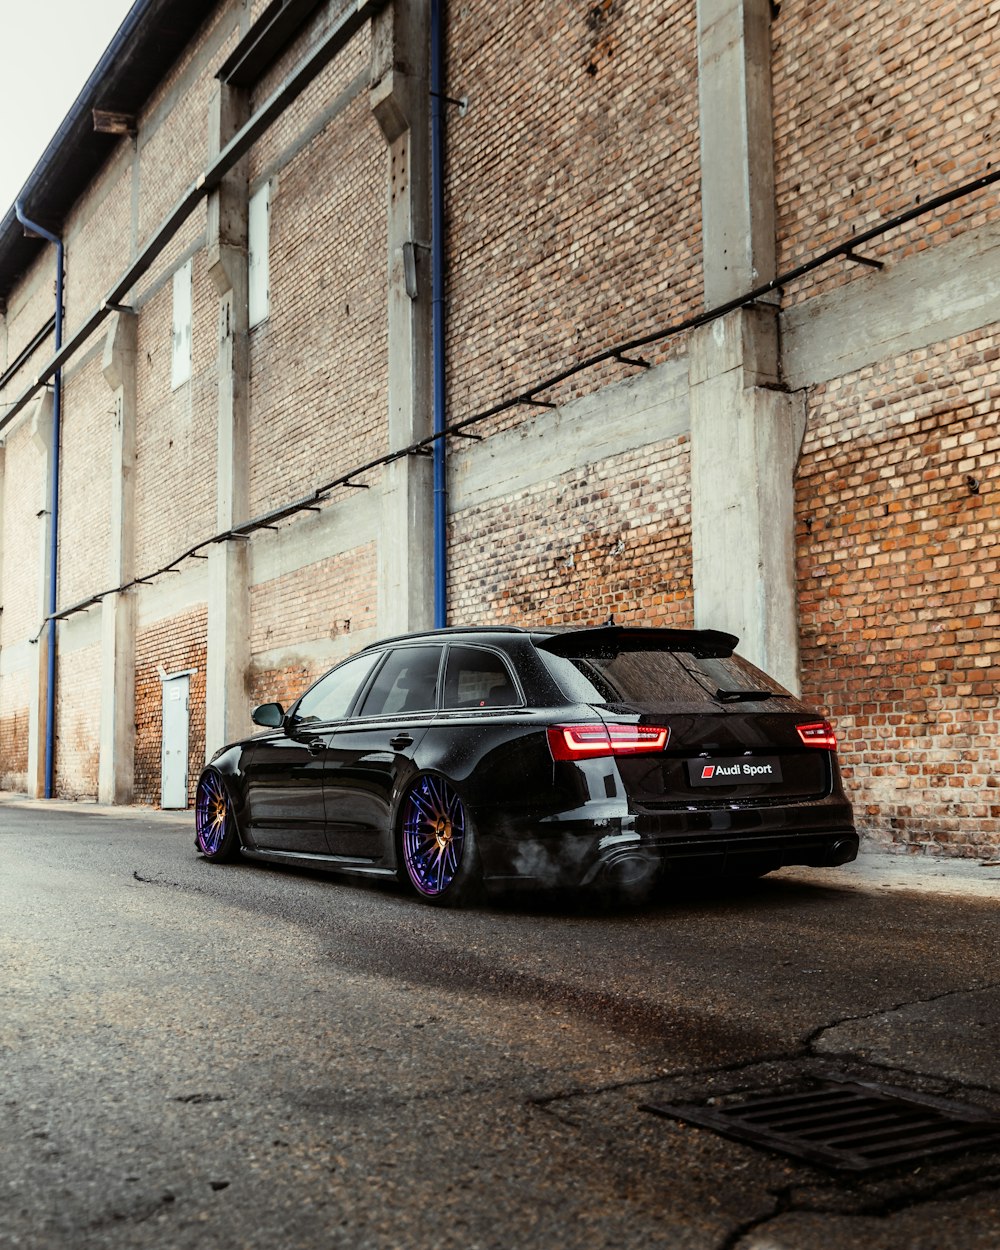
331, 697
476, 678
406, 682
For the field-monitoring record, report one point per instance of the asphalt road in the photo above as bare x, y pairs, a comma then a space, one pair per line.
196, 1055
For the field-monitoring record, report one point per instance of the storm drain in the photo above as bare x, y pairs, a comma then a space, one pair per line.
844, 1124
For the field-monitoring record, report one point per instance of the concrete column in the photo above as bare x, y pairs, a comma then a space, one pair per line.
745, 429
400, 100
737, 146
41, 435
745, 440
227, 711
116, 766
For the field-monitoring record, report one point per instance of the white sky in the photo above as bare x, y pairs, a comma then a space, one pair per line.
48, 49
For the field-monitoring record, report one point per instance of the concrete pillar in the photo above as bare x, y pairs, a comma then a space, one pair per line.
116, 766
745, 439
745, 429
227, 711
737, 146
400, 100
41, 435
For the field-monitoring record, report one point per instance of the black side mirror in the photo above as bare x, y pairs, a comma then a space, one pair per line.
270, 715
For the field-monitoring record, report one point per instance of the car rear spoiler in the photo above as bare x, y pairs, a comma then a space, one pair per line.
599, 639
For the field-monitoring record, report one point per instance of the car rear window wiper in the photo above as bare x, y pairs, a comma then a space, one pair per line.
748, 696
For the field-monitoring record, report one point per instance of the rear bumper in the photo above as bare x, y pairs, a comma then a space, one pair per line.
626, 847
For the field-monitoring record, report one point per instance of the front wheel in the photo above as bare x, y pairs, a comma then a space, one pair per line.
438, 843
216, 835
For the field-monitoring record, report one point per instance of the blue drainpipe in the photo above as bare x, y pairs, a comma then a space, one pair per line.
50, 704
438, 310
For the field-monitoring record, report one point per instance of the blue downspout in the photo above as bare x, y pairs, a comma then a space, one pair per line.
438, 310
50, 701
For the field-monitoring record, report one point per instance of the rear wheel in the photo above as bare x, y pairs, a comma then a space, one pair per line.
438, 843
216, 835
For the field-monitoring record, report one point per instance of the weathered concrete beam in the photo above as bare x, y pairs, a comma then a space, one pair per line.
950, 289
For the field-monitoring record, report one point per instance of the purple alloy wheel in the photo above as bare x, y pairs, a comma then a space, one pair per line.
211, 808
433, 835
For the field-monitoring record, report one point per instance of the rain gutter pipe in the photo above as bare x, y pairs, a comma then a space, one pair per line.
50, 684
437, 316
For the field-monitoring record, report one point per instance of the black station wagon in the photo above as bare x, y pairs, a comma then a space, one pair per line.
468, 757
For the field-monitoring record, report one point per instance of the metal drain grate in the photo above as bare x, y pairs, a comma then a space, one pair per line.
845, 1124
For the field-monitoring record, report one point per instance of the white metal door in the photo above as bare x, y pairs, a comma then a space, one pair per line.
174, 759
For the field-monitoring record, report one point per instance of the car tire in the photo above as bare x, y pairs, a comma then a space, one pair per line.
438, 853
216, 834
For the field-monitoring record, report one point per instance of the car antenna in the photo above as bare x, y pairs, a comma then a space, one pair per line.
611, 619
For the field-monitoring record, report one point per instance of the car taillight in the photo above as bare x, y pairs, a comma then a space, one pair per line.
581, 742
818, 734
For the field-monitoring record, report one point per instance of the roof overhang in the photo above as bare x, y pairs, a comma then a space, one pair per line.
145, 46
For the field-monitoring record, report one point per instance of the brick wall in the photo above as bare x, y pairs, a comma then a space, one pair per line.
325, 602
28, 308
319, 362
85, 483
23, 530
878, 108
78, 721
175, 644
572, 188
898, 544
98, 239
611, 538
175, 429
15, 696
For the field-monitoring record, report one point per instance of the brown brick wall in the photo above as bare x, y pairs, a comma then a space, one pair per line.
78, 722
878, 108
175, 644
85, 484
898, 504
319, 362
572, 187
611, 538
175, 429
331, 599
15, 694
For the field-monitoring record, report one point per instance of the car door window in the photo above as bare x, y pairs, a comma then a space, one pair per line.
406, 682
478, 678
332, 695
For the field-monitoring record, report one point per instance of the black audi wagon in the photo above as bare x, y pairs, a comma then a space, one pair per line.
467, 757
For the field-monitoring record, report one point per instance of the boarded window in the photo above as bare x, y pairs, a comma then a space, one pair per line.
259, 231
180, 361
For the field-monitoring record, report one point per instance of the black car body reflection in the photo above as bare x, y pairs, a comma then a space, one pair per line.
468, 756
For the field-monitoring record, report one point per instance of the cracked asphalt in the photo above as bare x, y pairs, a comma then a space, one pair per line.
240, 1056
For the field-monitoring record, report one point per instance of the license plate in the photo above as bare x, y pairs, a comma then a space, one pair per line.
755, 770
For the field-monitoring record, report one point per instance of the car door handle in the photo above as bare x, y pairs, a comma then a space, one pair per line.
400, 741
316, 746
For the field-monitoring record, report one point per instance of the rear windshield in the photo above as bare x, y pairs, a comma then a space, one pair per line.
655, 676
